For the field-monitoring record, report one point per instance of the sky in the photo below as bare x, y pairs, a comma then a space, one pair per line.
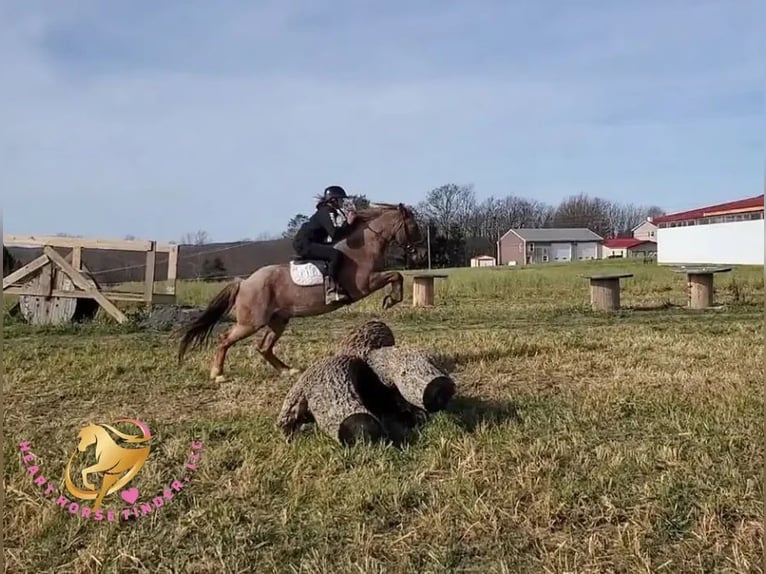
155, 119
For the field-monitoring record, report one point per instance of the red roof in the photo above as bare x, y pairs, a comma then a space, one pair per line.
749, 204
624, 242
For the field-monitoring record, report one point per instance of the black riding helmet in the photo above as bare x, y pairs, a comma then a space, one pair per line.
335, 192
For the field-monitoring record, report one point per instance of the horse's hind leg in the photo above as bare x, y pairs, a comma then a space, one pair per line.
267, 338
236, 333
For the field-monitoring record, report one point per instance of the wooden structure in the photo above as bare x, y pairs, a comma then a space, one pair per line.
52, 310
605, 291
699, 285
423, 289
50, 286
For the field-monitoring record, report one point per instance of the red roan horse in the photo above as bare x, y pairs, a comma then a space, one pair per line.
263, 303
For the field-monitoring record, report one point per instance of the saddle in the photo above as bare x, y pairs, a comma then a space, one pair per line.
312, 272
308, 272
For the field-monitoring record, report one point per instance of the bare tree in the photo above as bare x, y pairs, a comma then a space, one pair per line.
196, 238
582, 210
448, 206
294, 225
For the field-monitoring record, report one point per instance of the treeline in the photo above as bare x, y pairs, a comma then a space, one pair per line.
461, 226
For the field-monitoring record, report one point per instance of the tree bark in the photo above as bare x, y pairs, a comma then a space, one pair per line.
371, 335
418, 380
327, 393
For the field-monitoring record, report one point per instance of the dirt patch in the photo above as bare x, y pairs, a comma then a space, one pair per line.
169, 316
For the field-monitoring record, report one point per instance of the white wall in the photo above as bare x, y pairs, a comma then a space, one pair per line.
482, 262
607, 252
731, 243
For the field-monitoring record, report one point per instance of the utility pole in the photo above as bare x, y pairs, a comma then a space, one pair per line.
428, 241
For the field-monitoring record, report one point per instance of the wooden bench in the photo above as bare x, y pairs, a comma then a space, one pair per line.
605, 291
699, 284
423, 289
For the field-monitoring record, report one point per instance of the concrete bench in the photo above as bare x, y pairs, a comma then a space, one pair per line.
605, 291
699, 283
423, 289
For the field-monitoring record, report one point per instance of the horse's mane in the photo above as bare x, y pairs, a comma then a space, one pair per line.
367, 214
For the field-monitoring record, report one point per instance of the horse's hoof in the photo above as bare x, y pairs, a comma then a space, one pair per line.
291, 371
220, 379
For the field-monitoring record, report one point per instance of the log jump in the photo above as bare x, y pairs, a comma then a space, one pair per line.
327, 393
370, 390
412, 373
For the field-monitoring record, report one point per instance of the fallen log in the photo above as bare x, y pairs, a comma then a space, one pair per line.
371, 335
327, 394
413, 374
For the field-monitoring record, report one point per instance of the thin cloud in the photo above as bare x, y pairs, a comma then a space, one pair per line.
229, 117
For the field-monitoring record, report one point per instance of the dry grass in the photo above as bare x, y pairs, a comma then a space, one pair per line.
576, 443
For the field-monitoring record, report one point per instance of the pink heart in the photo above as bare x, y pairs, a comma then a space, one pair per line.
130, 495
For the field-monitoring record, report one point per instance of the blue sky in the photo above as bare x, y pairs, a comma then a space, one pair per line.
155, 119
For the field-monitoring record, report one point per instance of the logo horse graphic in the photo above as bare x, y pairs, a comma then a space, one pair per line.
117, 465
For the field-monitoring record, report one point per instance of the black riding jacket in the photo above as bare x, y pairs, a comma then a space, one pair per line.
320, 227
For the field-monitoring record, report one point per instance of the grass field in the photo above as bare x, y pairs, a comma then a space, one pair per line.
576, 442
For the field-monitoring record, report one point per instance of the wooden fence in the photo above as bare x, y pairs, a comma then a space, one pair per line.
51, 285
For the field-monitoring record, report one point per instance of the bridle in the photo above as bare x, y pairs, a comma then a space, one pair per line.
407, 244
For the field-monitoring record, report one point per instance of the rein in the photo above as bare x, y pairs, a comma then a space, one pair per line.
407, 246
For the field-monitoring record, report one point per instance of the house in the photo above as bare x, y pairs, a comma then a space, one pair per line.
542, 245
628, 247
646, 230
729, 233
483, 261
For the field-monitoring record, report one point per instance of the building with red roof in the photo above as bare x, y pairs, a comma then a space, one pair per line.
740, 210
730, 233
628, 247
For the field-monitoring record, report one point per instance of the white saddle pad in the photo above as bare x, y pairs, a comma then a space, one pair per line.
305, 274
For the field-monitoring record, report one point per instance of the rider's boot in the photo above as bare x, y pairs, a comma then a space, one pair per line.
334, 293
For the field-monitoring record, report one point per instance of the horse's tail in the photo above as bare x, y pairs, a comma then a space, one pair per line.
199, 330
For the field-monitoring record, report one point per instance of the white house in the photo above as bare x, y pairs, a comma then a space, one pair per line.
646, 230
483, 261
725, 234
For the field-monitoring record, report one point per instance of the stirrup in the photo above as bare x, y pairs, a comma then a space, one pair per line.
334, 293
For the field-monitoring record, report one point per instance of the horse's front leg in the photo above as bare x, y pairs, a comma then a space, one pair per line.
396, 290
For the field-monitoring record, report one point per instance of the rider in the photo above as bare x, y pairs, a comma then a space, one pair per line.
328, 225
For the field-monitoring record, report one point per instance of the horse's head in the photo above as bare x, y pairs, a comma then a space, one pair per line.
408, 235
87, 436
400, 223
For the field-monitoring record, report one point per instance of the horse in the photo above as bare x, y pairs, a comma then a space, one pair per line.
111, 459
263, 303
